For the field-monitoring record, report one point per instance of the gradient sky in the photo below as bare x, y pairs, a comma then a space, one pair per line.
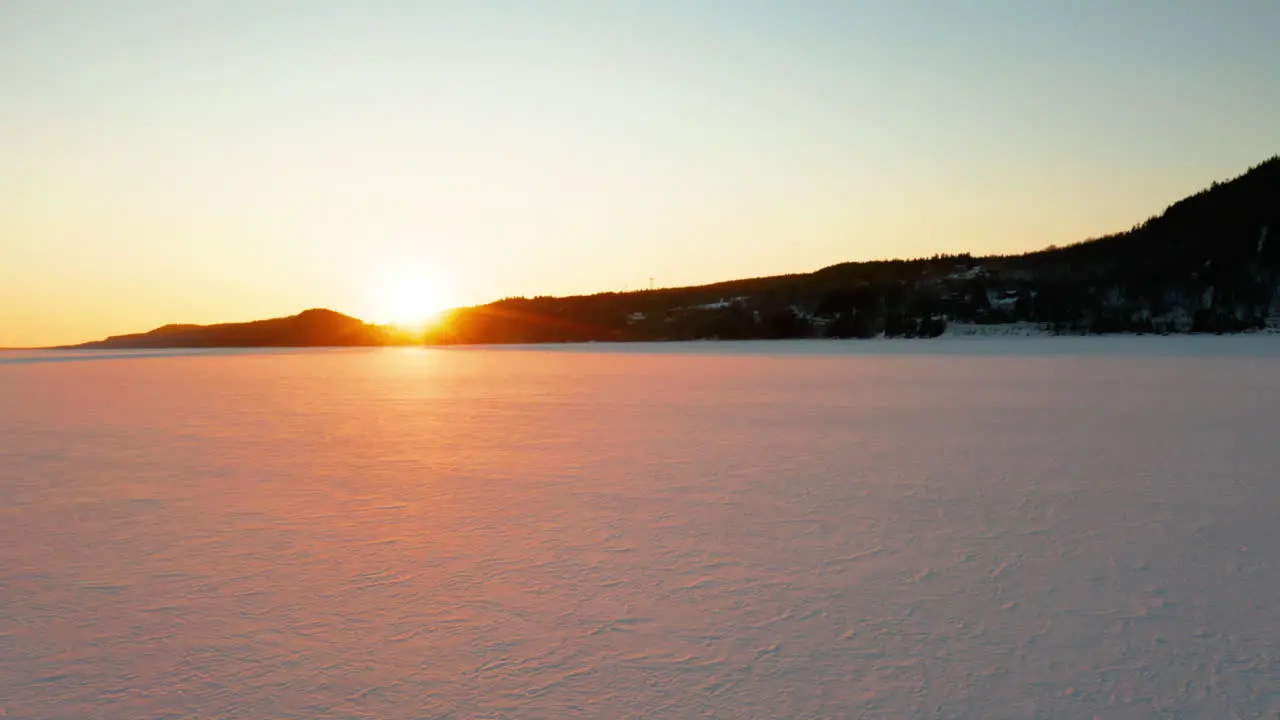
200, 161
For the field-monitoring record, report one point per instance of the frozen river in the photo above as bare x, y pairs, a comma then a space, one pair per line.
1031, 528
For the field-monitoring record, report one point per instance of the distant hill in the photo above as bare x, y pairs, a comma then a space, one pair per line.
312, 328
1208, 263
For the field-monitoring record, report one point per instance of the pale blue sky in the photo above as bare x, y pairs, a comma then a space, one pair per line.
165, 161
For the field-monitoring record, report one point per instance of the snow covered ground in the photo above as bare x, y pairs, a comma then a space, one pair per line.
1018, 329
967, 528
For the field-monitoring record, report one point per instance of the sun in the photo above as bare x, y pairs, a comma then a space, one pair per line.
410, 298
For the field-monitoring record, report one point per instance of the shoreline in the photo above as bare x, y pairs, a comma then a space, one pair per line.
954, 331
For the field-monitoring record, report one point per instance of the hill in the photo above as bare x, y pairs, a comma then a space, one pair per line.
311, 328
1208, 263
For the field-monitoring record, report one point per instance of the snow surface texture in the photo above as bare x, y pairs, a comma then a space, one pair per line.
1082, 528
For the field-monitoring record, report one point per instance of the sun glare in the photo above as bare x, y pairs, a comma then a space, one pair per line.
411, 299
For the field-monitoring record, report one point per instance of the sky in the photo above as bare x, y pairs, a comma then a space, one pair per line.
203, 161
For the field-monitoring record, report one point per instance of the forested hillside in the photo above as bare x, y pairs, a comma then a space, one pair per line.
1208, 263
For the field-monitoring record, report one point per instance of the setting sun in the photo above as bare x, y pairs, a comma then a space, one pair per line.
411, 298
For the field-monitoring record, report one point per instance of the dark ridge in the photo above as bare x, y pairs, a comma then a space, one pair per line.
1208, 263
311, 328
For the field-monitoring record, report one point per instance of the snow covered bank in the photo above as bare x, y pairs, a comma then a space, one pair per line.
1007, 330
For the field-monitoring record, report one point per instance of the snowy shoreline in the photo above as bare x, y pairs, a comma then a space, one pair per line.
1024, 329
1013, 339
1253, 345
